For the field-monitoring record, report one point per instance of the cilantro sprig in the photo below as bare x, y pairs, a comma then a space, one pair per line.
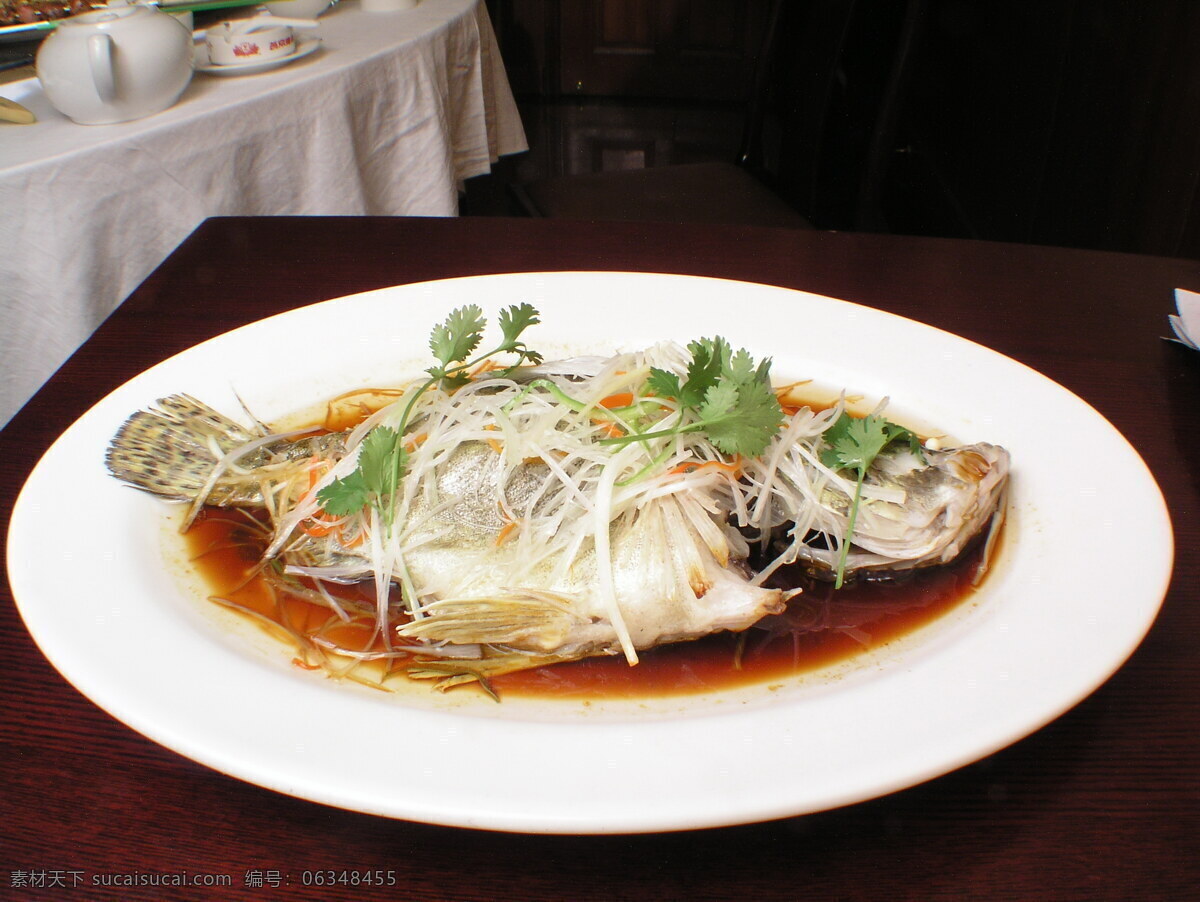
853, 443
455, 340
381, 462
382, 458
723, 394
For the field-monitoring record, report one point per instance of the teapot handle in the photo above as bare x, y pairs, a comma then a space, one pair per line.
101, 63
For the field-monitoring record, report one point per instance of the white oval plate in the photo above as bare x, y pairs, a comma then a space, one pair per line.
1052, 622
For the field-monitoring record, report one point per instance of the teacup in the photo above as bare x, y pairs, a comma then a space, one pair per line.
249, 41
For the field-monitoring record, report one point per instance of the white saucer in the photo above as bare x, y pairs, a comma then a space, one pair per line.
304, 46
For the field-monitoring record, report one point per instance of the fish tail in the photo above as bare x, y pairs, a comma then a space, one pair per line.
171, 451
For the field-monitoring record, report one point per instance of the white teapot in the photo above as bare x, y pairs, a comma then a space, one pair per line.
115, 64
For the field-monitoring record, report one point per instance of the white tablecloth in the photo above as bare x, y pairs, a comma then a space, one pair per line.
387, 118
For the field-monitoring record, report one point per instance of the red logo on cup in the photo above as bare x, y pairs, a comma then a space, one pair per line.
246, 48
282, 42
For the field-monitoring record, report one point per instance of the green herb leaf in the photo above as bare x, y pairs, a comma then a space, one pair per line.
853, 443
740, 367
345, 496
454, 340
381, 460
719, 402
724, 395
457, 378
741, 419
663, 383
710, 359
514, 320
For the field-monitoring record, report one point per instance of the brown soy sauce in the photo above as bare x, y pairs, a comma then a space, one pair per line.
821, 626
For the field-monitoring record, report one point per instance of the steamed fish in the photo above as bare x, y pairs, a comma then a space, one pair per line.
526, 514
512, 528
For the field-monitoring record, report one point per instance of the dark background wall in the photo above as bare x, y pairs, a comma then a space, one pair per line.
1067, 122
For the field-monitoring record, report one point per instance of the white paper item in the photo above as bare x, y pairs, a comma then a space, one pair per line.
1186, 324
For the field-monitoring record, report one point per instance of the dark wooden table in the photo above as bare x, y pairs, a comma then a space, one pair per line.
1104, 803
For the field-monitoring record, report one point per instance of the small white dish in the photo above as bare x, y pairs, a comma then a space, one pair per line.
231, 43
304, 47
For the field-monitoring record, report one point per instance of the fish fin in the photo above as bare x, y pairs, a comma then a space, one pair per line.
525, 619
450, 673
446, 678
171, 450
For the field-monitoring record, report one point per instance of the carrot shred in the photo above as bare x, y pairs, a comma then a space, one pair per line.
621, 399
505, 531
315, 470
495, 444
733, 467
611, 429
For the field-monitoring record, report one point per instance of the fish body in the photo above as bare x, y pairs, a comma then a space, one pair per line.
519, 526
512, 528
669, 579
486, 572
